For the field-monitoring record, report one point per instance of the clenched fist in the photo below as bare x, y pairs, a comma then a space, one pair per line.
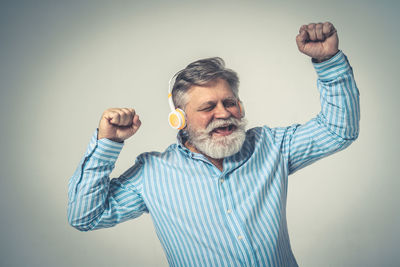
118, 124
318, 40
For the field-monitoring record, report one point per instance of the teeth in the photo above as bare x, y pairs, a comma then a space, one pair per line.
228, 127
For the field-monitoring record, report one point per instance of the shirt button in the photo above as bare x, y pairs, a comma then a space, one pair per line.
229, 211
240, 237
221, 180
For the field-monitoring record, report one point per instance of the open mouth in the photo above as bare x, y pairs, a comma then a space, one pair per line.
224, 130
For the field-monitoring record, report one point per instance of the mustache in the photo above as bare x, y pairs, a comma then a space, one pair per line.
217, 123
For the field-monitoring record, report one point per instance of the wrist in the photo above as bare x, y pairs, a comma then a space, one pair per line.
320, 60
101, 136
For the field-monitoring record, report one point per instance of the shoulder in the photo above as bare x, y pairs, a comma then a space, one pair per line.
261, 132
254, 137
267, 135
172, 153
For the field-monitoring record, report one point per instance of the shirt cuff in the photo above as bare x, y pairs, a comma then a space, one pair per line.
332, 68
104, 149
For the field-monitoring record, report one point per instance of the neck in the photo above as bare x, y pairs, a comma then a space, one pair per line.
216, 162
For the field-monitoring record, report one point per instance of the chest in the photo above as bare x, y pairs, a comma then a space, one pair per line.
185, 192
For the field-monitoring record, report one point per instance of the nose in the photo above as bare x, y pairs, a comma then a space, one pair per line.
221, 112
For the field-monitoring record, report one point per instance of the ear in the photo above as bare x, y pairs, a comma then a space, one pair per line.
241, 109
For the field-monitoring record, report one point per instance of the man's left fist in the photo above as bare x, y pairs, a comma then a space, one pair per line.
318, 40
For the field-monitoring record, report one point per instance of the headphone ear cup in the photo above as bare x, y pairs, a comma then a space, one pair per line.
176, 119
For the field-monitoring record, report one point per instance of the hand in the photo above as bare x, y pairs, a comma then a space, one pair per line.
318, 40
118, 124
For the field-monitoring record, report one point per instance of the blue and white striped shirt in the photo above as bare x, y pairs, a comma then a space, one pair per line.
207, 217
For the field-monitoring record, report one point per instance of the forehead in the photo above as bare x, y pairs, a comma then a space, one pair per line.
213, 91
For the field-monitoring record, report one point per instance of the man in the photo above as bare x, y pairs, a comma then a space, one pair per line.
218, 196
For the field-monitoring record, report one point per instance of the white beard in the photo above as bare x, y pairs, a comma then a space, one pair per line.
218, 147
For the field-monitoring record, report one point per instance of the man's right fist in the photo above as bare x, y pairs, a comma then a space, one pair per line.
118, 124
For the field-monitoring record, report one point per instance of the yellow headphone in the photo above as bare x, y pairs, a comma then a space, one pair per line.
177, 117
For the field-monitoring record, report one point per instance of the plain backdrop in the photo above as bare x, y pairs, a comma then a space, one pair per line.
63, 62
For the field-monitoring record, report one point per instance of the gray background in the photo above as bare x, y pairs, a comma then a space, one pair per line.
63, 63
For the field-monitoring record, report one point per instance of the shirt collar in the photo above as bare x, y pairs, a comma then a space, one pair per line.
181, 138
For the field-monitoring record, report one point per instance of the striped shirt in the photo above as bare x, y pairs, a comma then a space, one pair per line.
207, 217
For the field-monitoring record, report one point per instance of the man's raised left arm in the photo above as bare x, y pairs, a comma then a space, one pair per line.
337, 124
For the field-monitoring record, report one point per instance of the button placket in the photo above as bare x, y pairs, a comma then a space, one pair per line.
233, 221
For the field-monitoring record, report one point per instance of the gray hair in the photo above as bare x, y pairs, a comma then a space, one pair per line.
200, 73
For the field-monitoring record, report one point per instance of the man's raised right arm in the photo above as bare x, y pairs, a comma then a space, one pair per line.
93, 200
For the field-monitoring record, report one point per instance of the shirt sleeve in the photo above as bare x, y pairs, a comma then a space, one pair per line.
337, 124
96, 202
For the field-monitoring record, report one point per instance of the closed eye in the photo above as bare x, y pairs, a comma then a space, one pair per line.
207, 108
229, 103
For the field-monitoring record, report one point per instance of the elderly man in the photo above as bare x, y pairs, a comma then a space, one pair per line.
218, 196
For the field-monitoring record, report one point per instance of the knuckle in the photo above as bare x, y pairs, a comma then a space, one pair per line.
328, 25
107, 111
124, 111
